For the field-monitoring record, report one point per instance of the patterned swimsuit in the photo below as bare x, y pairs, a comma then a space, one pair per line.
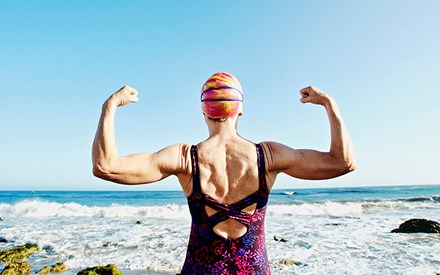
209, 253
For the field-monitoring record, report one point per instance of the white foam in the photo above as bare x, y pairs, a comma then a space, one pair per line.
38, 208
327, 208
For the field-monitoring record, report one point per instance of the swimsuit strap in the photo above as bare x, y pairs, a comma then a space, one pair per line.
195, 169
261, 170
238, 215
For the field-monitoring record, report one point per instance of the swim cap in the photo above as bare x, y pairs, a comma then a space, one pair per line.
222, 96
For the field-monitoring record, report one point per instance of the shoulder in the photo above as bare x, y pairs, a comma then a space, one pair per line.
268, 150
179, 150
174, 158
277, 155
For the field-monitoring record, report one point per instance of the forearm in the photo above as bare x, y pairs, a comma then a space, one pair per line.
340, 146
104, 150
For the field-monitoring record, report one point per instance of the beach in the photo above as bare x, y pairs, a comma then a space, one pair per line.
308, 231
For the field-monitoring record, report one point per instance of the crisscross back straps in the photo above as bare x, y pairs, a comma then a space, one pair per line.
225, 212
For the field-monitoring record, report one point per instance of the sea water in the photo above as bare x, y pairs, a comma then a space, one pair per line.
308, 231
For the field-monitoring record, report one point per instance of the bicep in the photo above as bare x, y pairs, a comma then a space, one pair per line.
149, 167
301, 163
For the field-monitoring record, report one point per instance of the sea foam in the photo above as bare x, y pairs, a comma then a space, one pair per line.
39, 208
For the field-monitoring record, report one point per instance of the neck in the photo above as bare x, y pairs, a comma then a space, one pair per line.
224, 128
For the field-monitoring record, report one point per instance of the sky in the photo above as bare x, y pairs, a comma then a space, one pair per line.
60, 60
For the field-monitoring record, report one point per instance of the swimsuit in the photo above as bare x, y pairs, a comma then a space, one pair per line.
209, 253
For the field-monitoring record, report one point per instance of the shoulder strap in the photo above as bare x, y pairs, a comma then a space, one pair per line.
261, 168
195, 169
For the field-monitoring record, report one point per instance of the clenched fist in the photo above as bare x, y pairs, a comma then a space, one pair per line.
124, 96
314, 95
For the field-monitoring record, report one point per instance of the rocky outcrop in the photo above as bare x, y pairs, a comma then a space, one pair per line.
58, 268
15, 259
17, 254
22, 268
44, 270
110, 269
418, 226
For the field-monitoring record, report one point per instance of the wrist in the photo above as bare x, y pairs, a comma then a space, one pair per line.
329, 102
109, 105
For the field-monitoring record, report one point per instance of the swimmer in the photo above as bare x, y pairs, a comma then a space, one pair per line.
226, 178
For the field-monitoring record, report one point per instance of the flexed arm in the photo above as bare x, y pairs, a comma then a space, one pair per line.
104, 152
312, 164
137, 168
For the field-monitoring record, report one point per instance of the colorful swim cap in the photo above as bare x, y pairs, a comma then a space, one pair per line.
222, 96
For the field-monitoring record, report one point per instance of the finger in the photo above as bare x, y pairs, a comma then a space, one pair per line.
304, 100
305, 91
304, 94
133, 91
134, 99
134, 95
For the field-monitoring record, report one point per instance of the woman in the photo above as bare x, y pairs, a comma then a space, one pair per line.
226, 178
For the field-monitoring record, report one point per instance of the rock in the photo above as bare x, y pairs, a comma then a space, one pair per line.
3, 240
418, 226
139, 222
48, 248
291, 262
287, 262
44, 270
334, 224
280, 239
110, 244
58, 268
22, 268
17, 254
110, 269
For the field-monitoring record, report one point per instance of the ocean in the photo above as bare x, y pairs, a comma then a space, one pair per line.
308, 231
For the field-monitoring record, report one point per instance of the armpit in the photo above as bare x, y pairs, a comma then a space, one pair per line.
185, 159
185, 168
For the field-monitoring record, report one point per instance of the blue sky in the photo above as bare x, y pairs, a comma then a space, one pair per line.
59, 60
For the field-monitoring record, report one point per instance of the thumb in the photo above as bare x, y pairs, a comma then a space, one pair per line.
305, 96
304, 99
134, 98
132, 94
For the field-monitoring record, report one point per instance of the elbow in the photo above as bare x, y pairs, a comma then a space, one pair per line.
101, 171
342, 166
98, 171
352, 166
349, 165
105, 172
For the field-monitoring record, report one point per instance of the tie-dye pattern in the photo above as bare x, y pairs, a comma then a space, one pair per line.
209, 253
222, 96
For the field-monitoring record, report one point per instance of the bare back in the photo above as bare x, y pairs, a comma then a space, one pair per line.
228, 174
